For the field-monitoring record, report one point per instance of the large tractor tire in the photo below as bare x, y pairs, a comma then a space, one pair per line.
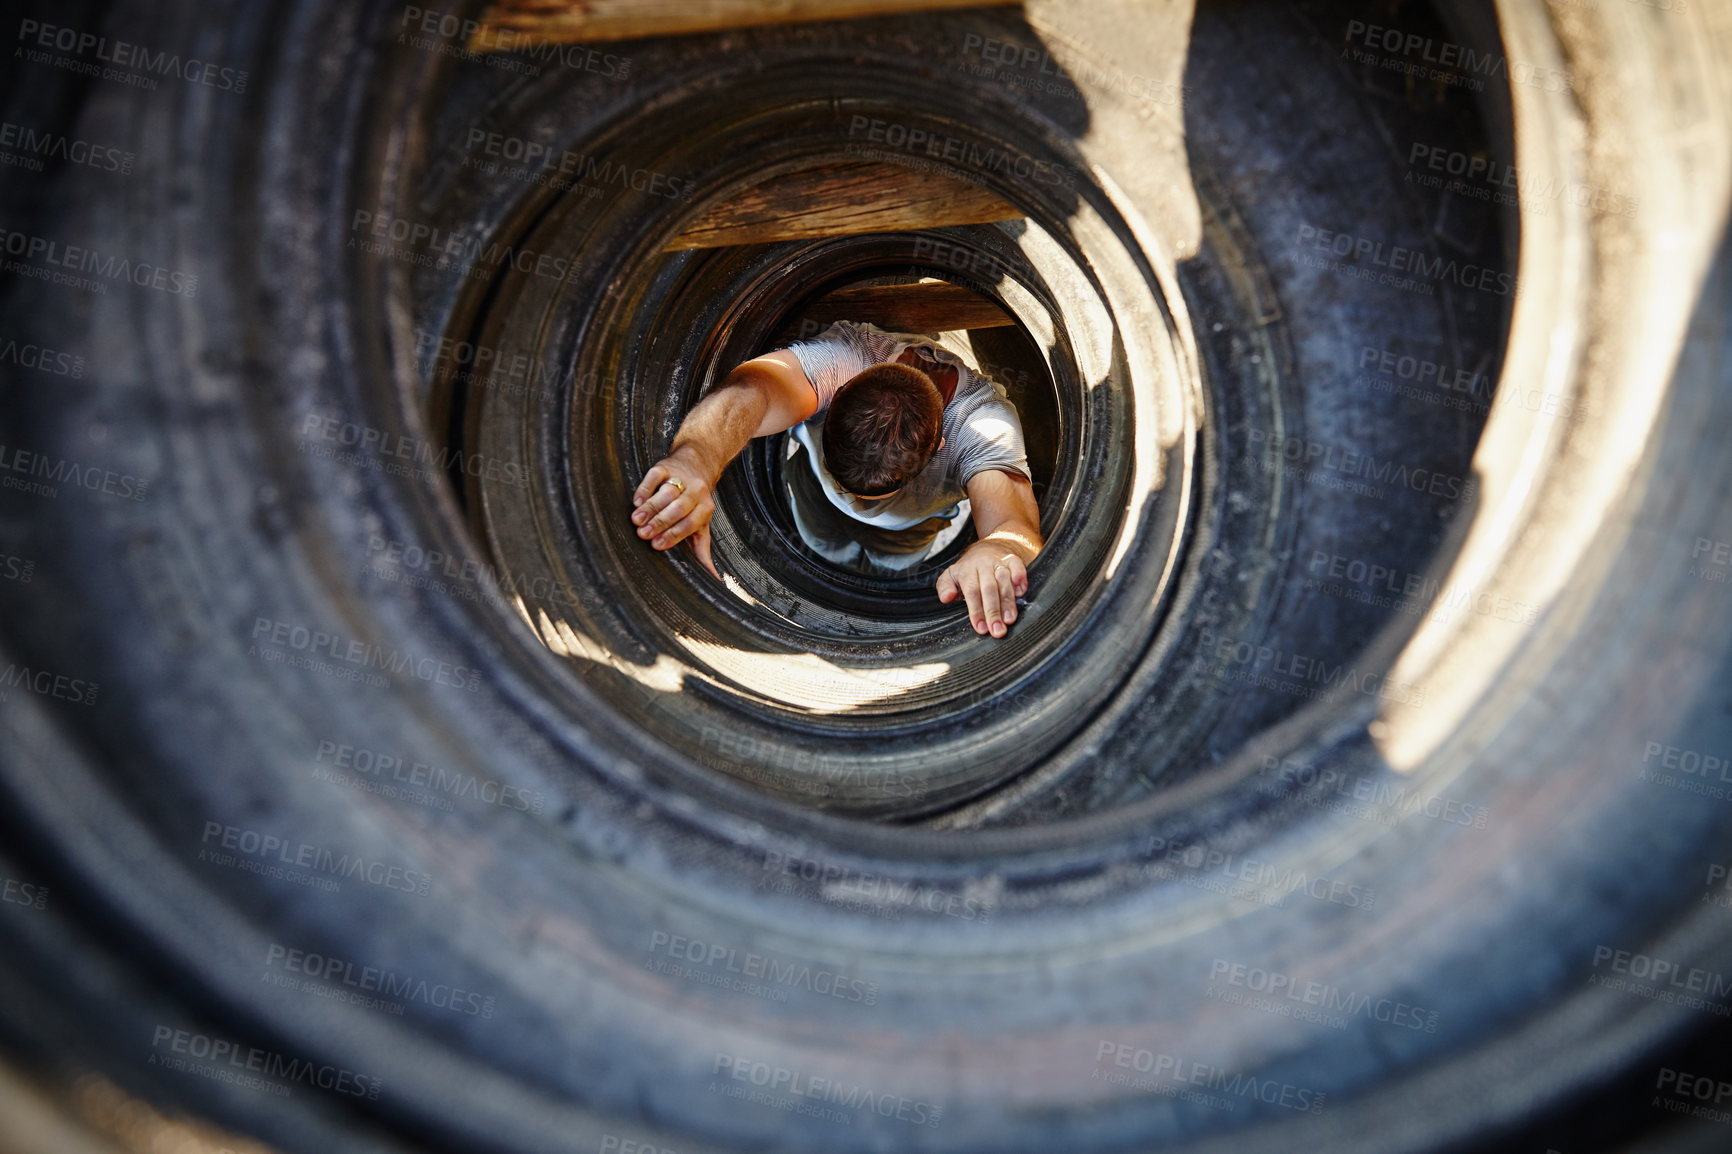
1355, 777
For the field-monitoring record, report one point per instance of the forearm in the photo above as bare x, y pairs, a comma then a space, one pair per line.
721, 425
1016, 536
1005, 513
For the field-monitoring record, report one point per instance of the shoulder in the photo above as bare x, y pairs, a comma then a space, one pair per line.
976, 393
984, 427
833, 356
854, 335
845, 344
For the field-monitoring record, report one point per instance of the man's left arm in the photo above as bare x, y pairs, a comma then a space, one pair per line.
993, 572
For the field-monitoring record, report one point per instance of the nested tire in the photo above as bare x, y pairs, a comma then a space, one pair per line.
373, 743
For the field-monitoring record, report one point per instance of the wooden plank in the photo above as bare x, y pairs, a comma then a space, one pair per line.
508, 25
926, 307
843, 200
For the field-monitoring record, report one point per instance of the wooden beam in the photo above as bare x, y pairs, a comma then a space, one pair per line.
843, 200
508, 25
926, 307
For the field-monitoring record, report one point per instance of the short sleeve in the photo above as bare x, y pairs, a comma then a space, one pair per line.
835, 356
990, 438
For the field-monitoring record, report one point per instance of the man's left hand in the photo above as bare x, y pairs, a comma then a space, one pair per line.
989, 577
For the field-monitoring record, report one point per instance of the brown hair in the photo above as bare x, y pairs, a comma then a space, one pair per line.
883, 426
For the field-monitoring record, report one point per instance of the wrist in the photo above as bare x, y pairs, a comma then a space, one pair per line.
690, 454
1002, 542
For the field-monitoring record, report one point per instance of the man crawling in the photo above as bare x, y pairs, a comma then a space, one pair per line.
893, 435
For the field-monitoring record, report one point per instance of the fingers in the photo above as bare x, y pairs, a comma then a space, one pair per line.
990, 584
667, 512
652, 481
989, 604
947, 587
660, 504
652, 520
971, 593
701, 546
1006, 590
678, 531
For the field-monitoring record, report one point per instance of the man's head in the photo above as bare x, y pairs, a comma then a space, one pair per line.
882, 428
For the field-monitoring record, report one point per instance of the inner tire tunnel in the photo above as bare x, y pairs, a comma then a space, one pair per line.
1345, 781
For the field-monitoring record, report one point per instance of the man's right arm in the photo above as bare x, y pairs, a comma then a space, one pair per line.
676, 499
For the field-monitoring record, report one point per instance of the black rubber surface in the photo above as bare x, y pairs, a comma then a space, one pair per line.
365, 755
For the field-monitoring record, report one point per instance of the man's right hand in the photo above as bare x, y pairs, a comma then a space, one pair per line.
765, 395
676, 500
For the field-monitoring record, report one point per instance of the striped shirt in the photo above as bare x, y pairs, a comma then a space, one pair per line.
981, 429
